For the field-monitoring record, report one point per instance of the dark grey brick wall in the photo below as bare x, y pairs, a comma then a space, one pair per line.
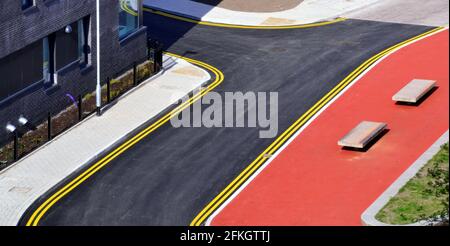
19, 28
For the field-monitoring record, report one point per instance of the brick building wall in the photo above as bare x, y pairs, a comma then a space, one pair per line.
19, 28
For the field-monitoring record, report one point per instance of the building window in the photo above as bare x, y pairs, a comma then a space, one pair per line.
47, 70
27, 3
21, 69
84, 40
65, 47
41, 60
128, 17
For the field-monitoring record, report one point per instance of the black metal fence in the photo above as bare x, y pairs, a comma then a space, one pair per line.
72, 109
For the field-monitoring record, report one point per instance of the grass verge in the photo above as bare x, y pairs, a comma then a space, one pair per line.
425, 196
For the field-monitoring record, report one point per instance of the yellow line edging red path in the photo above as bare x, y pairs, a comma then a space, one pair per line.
283, 138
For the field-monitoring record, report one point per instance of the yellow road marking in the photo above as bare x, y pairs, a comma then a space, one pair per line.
124, 7
260, 160
45, 206
207, 23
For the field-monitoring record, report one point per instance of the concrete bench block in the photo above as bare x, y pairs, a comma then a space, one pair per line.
414, 91
362, 134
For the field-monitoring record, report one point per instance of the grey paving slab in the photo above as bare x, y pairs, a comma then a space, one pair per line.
414, 91
362, 134
430, 13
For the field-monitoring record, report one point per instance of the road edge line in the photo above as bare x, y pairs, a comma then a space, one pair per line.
210, 209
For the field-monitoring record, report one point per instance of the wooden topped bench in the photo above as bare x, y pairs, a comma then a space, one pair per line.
414, 91
362, 134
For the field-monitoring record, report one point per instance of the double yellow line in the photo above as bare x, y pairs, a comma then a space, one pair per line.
45, 206
219, 77
207, 23
263, 157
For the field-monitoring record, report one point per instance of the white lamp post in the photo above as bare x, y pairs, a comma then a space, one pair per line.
99, 86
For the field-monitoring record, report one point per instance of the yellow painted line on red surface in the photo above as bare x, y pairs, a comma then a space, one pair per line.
283, 138
66, 189
208, 23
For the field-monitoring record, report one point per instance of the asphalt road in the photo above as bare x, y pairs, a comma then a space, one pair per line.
172, 174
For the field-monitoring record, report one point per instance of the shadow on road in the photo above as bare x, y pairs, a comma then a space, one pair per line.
158, 29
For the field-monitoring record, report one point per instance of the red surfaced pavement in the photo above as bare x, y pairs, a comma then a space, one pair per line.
314, 182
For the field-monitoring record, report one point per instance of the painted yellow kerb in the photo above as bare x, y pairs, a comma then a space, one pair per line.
207, 23
44, 207
262, 158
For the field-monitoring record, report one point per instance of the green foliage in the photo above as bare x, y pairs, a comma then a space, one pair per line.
425, 197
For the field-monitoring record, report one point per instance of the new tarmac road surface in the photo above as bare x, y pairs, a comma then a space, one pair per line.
172, 174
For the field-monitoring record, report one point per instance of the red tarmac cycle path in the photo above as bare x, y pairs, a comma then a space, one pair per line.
315, 182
